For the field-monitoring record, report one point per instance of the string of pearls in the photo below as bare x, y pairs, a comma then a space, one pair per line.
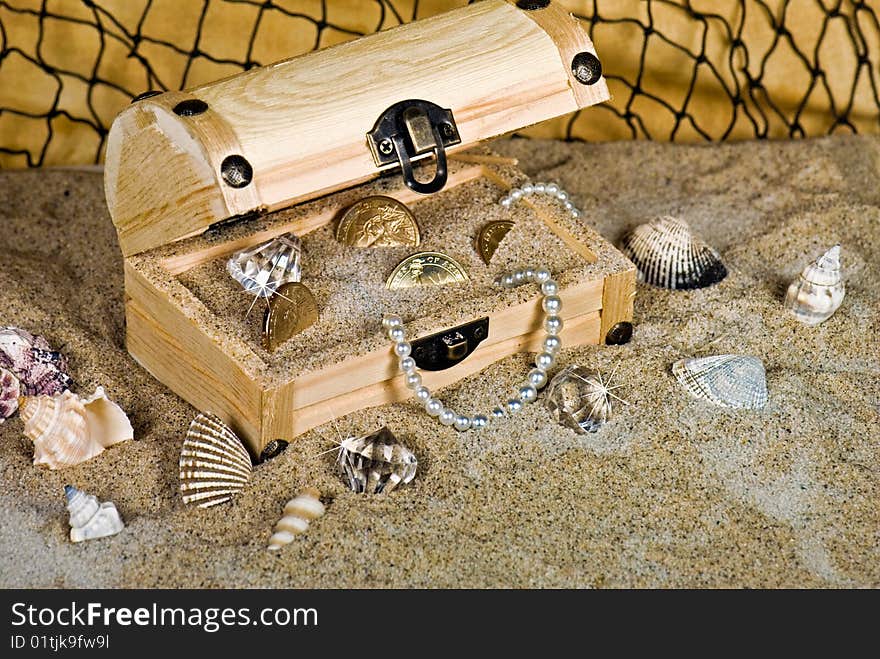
526, 393
547, 189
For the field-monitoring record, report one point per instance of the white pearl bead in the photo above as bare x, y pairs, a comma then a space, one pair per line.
537, 378
552, 304
549, 287
423, 394
542, 275
568, 205
433, 407
527, 393
544, 360
391, 321
498, 413
529, 274
506, 202
528, 188
507, 281
575, 212
514, 405
553, 324
552, 188
540, 187
479, 421
447, 417
462, 422
402, 349
516, 195
552, 344
519, 277
562, 195
413, 380
396, 334
407, 364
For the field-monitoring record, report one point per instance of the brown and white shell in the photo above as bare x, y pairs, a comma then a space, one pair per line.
67, 430
10, 390
214, 464
736, 381
298, 512
376, 462
40, 370
818, 292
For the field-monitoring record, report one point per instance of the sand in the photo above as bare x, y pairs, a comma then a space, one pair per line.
672, 493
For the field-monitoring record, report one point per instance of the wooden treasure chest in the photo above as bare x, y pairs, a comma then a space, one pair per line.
195, 177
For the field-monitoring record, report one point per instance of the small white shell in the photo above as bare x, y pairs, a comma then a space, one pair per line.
298, 512
90, 519
818, 292
67, 430
736, 381
668, 255
214, 464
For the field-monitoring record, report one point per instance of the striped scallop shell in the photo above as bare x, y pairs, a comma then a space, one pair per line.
736, 381
10, 390
214, 464
668, 255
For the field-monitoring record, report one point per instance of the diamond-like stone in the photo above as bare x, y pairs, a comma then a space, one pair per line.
261, 270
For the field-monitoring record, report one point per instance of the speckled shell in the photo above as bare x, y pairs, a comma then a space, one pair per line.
10, 390
736, 381
214, 464
819, 290
67, 430
376, 462
298, 512
668, 255
90, 519
40, 370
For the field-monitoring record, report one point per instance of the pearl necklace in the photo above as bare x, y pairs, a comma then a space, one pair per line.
527, 392
547, 189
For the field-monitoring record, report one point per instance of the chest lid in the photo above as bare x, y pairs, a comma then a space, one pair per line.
180, 162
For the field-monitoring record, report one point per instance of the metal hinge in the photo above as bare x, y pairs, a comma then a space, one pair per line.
447, 348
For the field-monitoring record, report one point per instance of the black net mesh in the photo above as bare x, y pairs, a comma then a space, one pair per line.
679, 69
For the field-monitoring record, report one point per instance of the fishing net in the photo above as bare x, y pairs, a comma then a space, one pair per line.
683, 70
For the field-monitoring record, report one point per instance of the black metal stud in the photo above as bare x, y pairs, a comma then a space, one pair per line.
619, 334
531, 5
587, 68
190, 107
236, 171
147, 94
273, 449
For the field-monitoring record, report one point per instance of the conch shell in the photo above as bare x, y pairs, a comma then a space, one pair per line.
818, 292
298, 512
67, 430
90, 519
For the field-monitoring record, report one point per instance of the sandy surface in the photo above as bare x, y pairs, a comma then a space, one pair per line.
672, 493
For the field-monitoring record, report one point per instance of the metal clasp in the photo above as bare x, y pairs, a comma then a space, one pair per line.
412, 130
447, 348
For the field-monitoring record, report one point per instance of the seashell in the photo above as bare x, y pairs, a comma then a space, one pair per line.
40, 370
262, 269
67, 430
376, 462
668, 255
298, 512
581, 399
214, 464
727, 380
10, 390
818, 292
90, 519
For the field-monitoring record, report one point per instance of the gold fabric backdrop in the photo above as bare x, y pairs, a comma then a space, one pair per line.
678, 69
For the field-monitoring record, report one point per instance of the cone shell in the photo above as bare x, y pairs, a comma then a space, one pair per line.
10, 390
90, 519
214, 464
376, 462
736, 381
298, 512
67, 430
668, 255
819, 290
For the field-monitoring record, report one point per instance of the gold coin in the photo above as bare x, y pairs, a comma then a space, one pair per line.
426, 269
378, 222
490, 236
292, 308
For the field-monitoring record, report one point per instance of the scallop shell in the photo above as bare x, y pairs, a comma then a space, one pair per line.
298, 512
818, 292
668, 255
90, 519
10, 390
40, 370
67, 430
735, 381
214, 464
376, 462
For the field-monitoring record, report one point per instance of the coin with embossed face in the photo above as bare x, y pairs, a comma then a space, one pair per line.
490, 236
426, 269
378, 222
291, 310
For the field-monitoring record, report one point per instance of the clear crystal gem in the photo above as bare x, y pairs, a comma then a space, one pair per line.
262, 269
579, 399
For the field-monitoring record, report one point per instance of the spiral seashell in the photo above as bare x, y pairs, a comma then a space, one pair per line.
668, 255
67, 430
214, 464
261, 270
10, 390
736, 381
90, 519
376, 462
40, 370
298, 512
818, 292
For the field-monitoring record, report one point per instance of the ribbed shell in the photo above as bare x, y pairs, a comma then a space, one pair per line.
90, 519
214, 464
819, 290
376, 462
298, 512
57, 427
668, 255
736, 381
10, 390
